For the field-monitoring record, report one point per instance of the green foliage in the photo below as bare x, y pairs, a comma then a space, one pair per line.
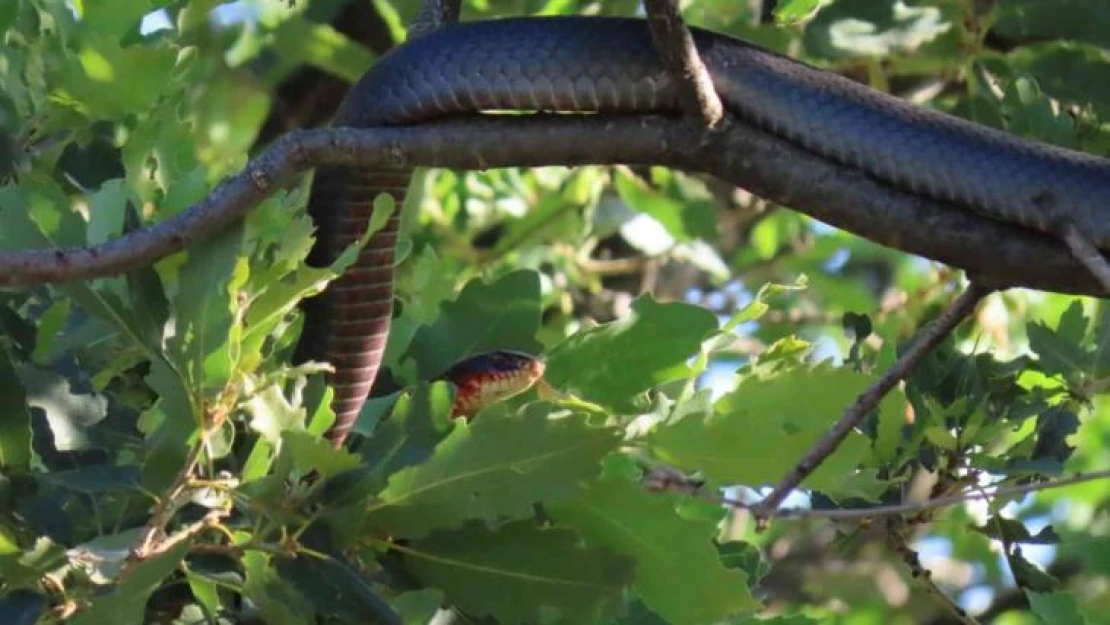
694, 587
683, 327
491, 470
612, 363
521, 573
755, 434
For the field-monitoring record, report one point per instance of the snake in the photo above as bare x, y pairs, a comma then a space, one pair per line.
587, 65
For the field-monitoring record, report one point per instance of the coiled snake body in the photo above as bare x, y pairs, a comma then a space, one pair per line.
584, 65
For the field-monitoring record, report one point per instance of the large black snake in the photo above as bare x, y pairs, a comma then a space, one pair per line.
577, 64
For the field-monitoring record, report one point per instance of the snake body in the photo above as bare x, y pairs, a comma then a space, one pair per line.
583, 65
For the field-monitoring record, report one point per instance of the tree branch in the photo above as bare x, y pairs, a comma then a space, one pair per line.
925, 577
1086, 253
680, 56
743, 156
153, 537
665, 479
930, 337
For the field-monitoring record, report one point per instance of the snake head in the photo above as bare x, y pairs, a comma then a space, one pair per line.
491, 377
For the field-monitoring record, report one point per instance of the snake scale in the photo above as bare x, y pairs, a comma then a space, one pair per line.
592, 64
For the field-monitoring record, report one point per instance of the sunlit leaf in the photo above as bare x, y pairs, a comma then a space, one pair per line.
621, 516
494, 469
612, 363
758, 432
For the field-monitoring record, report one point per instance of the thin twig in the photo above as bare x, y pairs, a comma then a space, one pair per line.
434, 14
1086, 253
924, 576
192, 530
656, 483
675, 44
929, 338
151, 541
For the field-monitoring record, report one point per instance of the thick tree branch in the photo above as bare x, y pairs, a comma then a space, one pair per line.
680, 56
930, 337
994, 253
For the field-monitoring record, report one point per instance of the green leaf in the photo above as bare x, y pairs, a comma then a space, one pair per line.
272, 414
70, 414
22, 607
890, 29
611, 363
796, 619
114, 18
205, 345
15, 425
504, 314
95, 479
8, 13
1056, 608
1075, 73
680, 221
175, 423
494, 469
205, 591
1056, 353
300, 41
796, 11
746, 557
1032, 20
277, 600
693, 589
520, 573
419, 421
106, 81
417, 607
1014, 531
1029, 575
758, 306
313, 453
759, 431
25, 570
335, 588
126, 603
430, 283
107, 208
1030, 113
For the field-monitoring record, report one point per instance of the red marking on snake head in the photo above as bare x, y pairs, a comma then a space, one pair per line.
491, 377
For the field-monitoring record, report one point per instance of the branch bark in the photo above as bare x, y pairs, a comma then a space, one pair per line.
680, 56
930, 337
1086, 253
743, 156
